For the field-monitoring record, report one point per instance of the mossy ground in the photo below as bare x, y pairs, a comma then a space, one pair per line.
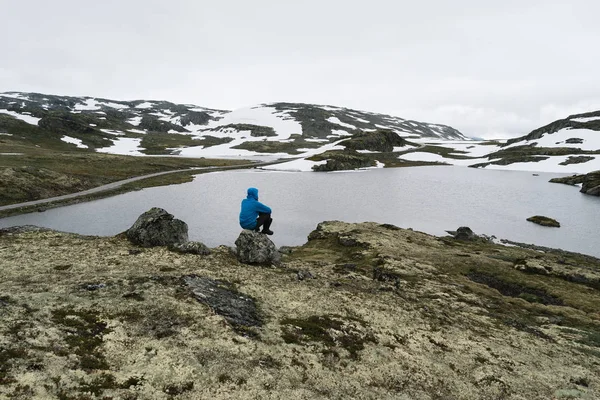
391, 314
37, 173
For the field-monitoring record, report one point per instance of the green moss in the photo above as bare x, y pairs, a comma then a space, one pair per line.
84, 331
329, 330
176, 389
8, 356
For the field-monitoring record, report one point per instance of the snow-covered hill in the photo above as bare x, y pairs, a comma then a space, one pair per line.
570, 145
160, 127
316, 136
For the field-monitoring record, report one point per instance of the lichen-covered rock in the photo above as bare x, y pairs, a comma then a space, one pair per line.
156, 227
191, 248
544, 221
255, 248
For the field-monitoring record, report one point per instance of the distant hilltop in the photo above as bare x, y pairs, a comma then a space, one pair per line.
161, 127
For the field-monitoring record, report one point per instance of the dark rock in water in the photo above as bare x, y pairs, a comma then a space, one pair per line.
544, 221
256, 248
590, 183
157, 227
191, 248
238, 309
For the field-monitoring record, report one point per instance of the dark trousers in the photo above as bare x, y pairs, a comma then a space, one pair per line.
263, 220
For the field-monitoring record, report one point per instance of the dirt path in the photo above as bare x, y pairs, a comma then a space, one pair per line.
115, 185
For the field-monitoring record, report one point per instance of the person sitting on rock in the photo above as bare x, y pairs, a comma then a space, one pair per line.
255, 214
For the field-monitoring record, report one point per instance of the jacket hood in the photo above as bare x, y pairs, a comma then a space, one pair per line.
252, 193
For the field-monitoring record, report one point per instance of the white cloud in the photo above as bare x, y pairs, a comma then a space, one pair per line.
484, 67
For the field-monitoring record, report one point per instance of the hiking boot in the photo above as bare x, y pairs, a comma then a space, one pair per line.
266, 232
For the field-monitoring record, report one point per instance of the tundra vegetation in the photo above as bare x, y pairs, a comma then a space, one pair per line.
365, 310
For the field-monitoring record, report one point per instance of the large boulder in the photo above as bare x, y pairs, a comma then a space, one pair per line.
255, 248
156, 227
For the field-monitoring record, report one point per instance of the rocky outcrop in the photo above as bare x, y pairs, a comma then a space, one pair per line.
156, 227
544, 221
342, 161
238, 309
255, 248
382, 141
590, 183
465, 233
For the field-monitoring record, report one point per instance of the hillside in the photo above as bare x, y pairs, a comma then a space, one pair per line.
570, 145
160, 127
365, 311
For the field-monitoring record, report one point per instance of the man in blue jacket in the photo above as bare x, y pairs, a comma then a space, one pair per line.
255, 214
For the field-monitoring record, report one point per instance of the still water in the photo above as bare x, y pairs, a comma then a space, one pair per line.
428, 199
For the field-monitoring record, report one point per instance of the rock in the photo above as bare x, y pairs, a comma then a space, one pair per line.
93, 286
544, 221
304, 274
156, 227
590, 183
287, 249
465, 233
238, 309
256, 248
191, 248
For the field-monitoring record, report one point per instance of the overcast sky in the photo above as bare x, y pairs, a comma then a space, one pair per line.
489, 68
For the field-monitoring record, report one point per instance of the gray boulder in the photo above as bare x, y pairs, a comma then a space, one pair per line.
465, 233
191, 248
256, 248
156, 227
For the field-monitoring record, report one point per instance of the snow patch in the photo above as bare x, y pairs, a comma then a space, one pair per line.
75, 141
585, 119
364, 121
125, 146
23, 117
281, 122
335, 120
111, 132
144, 105
135, 121
136, 130
591, 139
89, 105
301, 165
114, 105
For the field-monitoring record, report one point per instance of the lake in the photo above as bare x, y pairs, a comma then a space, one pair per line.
428, 199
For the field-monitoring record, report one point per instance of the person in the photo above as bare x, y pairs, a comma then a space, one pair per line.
255, 214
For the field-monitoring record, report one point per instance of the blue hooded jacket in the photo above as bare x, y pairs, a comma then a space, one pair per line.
250, 209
